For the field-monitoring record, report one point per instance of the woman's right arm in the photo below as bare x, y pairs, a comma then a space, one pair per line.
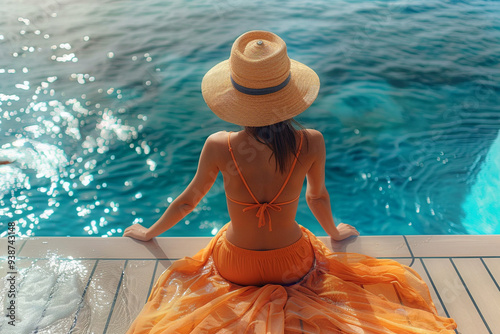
317, 196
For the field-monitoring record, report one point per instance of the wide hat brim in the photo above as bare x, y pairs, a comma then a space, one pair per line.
239, 108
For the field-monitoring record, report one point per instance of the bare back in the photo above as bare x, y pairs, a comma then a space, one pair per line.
259, 170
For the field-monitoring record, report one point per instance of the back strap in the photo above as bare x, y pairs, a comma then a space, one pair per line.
291, 169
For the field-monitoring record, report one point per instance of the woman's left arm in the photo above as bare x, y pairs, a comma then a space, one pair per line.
186, 202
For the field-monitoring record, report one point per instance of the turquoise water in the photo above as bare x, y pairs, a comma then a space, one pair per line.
102, 114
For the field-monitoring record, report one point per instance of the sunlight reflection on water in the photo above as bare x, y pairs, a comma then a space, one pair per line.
104, 123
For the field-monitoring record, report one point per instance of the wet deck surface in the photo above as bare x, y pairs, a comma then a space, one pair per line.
116, 275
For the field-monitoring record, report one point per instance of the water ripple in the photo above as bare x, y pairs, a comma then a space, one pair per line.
103, 118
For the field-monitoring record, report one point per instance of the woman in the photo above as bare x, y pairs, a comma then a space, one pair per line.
263, 272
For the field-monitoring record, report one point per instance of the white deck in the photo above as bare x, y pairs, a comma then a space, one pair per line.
117, 274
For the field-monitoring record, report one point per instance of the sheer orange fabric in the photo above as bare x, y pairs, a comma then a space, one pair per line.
333, 297
262, 208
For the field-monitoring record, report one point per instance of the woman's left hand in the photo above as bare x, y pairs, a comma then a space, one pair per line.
137, 231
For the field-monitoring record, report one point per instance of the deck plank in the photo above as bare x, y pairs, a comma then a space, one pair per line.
417, 266
17, 243
98, 301
132, 294
406, 261
162, 266
376, 246
122, 248
483, 289
19, 263
74, 282
446, 245
493, 265
454, 296
21, 266
3, 276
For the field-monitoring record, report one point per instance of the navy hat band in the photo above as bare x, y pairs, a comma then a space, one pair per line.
260, 91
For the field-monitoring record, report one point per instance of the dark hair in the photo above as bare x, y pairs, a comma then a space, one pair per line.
280, 138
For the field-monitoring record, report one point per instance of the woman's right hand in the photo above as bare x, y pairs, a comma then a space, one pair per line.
345, 231
137, 231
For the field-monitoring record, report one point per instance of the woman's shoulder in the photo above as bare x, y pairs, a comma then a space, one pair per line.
315, 140
220, 138
314, 134
217, 141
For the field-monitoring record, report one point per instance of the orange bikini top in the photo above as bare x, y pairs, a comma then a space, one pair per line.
263, 207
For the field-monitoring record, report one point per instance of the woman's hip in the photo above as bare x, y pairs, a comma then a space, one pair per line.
251, 267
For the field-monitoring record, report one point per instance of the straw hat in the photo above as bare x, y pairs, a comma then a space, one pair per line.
259, 85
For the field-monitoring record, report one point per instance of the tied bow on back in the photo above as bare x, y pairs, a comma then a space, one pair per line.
263, 209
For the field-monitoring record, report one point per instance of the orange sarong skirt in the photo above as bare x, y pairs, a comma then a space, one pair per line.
250, 267
302, 288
